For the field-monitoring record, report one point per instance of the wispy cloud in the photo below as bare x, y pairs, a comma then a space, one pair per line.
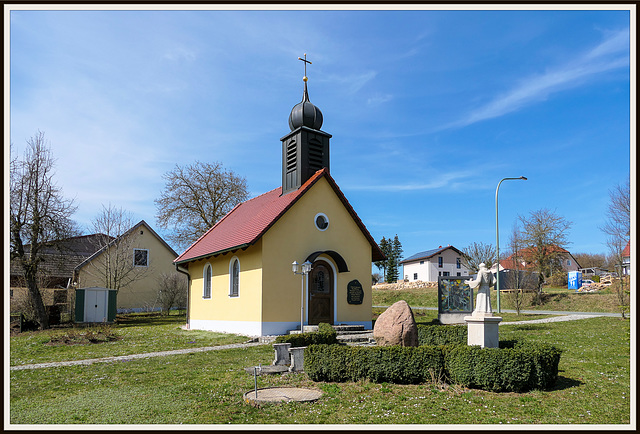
378, 99
610, 54
439, 181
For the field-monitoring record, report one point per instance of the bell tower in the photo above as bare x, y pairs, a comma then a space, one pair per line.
305, 150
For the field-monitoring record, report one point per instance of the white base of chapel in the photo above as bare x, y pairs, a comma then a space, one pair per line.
257, 328
482, 330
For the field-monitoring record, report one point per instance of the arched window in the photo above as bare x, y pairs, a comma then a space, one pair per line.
234, 277
206, 290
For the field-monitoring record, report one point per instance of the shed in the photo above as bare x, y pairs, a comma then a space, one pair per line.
96, 304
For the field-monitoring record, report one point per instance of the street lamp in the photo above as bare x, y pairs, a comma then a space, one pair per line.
296, 268
498, 240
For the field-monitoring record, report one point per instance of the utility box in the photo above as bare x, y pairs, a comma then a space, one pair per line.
574, 280
96, 305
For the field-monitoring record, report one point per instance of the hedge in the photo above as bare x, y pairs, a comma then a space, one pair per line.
325, 335
523, 367
395, 364
441, 335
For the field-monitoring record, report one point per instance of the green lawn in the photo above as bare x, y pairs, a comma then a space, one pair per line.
207, 388
140, 333
559, 299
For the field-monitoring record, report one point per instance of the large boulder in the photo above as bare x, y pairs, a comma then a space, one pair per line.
396, 326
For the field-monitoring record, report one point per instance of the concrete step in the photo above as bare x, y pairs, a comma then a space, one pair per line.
353, 338
340, 329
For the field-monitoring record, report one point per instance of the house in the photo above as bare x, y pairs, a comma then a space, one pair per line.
241, 277
626, 259
55, 272
60, 258
428, 265
565, 259
139, 257
593, 271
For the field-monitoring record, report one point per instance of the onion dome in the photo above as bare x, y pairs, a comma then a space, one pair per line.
305, 114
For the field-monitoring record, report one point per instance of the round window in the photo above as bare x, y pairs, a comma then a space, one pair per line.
322, 222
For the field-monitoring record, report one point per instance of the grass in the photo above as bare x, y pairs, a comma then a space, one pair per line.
207, 388
558, 299
134, 334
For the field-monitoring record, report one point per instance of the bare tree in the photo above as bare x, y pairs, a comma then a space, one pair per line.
478, 253
588, 260
114, 264
518, 279
39, 215
618, 230
545, 235
195, 198
172, 291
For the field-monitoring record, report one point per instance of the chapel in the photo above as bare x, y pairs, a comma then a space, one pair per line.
241, 271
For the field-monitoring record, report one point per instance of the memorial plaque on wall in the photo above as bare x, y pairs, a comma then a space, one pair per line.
355, 294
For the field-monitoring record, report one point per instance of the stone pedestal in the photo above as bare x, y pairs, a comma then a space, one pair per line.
282, 356
297, 359
482, 330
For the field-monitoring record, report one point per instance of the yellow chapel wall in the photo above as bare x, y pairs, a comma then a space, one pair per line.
223, 312
294, 237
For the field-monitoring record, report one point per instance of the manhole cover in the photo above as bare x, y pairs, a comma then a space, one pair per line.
281, 394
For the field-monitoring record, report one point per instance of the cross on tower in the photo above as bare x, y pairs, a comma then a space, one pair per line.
305, 64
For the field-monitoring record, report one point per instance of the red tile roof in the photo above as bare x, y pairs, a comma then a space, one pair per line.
525, 254
627, 249
248, 221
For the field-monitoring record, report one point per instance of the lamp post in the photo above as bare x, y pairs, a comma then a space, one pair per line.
303, 271
498, 241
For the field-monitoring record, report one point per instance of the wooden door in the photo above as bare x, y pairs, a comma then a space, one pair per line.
320, 294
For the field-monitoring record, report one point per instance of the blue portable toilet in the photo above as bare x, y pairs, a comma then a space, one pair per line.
575, 280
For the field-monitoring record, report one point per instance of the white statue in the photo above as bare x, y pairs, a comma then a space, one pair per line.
485, 280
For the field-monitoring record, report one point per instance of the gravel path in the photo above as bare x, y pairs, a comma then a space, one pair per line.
571, 317
133, 356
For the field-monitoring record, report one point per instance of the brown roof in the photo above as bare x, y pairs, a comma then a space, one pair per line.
62, 256
245, 224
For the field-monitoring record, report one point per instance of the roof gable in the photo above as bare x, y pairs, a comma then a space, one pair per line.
133, 228
248, 221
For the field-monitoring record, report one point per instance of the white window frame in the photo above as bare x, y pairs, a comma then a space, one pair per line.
135, 249
232, 278
315, 221
206, 281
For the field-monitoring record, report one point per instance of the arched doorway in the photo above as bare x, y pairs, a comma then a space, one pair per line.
320, 293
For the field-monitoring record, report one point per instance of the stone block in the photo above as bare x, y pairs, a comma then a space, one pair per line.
297, 359
282, 354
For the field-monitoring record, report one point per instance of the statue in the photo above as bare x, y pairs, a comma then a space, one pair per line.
485, 280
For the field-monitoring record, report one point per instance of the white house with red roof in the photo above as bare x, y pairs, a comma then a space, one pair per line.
241, 278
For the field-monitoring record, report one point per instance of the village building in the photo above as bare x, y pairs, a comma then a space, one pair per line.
241, 275
141, 258
427, 266
565, 260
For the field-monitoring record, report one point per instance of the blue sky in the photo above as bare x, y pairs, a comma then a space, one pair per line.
428, 109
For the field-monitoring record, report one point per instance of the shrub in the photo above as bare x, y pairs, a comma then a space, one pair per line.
522, 367
441, 335
516, 367
395, 364
325, 335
